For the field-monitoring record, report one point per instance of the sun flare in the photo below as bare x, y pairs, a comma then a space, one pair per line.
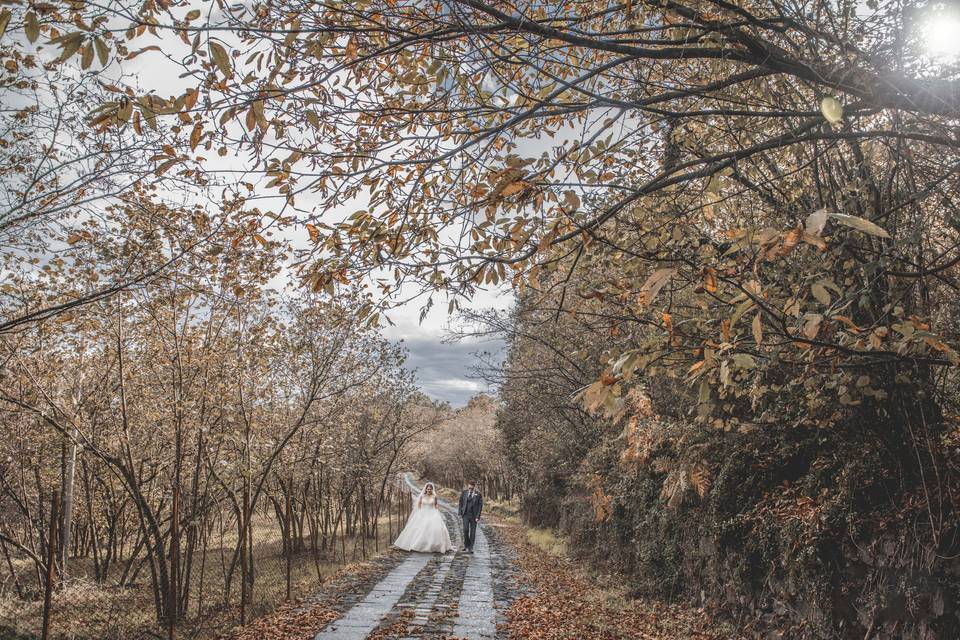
941, 37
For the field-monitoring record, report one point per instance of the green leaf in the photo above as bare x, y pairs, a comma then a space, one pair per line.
31, 26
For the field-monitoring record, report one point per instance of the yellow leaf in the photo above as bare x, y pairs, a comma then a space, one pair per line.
832, 110
4, 21
860, 224
221, 58
820, 293
757, 327
103, 52
744, 361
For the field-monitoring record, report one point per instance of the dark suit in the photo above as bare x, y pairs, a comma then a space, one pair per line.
471, 505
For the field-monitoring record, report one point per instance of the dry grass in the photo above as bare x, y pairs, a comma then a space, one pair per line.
547, 541
85, 609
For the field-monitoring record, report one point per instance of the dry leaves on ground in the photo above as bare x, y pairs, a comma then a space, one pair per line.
398, 629
569, 604
287, 622
301, 620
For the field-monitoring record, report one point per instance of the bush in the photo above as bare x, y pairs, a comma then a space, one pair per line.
806, 530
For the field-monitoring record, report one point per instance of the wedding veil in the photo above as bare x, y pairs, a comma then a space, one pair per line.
423, 492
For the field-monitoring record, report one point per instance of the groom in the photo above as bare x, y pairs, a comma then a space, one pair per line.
471, 504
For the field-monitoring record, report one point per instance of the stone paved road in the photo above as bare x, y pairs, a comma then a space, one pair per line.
433, 595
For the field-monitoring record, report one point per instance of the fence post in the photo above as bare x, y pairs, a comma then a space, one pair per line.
52, 543
174, 601
289, 534
243, 553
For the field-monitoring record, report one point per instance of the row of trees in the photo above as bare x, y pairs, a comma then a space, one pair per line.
175, 422
465, 446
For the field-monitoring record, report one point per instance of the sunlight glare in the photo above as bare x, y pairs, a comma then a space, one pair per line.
941, 37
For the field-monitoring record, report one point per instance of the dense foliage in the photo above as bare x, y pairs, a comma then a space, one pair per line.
823, 529
732, 227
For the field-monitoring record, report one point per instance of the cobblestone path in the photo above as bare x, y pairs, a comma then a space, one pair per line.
436, 596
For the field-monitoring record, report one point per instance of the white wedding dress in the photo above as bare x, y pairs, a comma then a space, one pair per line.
425, 529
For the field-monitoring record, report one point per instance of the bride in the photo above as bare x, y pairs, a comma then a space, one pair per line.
425, 530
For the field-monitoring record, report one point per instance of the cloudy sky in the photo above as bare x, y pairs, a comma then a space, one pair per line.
445, 370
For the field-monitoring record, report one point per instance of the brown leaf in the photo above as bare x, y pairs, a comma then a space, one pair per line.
790, 240
195, 136
657, 280
812, 326
514, 187
757, 327
710, 280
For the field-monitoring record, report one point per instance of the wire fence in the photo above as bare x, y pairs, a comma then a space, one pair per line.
207, 572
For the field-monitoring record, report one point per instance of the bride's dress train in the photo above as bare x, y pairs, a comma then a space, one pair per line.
425, 529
